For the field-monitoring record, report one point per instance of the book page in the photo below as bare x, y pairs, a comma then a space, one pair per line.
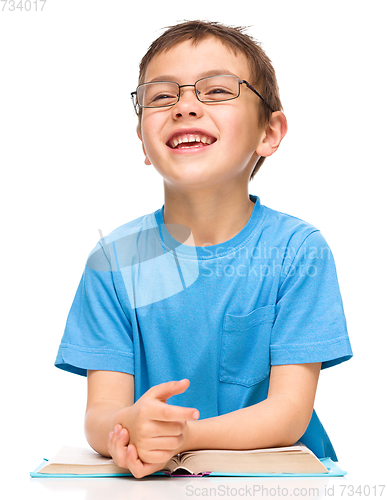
79, 456
297, 447
289, 459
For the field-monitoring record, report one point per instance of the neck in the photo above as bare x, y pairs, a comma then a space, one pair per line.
212, 216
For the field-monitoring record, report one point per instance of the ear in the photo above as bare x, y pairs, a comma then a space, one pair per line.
273, 134
147, 161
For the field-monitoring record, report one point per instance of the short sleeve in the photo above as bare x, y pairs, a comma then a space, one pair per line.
98, 333
310, 324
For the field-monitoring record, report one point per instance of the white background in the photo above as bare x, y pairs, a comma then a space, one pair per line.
71, 163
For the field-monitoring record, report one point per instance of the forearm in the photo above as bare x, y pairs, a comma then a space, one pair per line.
100, 419
277, 421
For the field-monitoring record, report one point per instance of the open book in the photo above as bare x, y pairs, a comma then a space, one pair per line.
297, 459
290, 459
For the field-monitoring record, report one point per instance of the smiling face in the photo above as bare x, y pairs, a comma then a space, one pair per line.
193, 144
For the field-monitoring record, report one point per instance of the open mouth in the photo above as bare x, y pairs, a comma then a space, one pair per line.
190, 140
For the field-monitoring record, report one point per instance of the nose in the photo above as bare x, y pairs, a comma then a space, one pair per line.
188, 104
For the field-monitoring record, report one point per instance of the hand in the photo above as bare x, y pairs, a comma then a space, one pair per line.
126, 455
157, 429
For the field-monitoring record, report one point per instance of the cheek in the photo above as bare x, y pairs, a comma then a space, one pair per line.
249, 129
150, 131
239, 130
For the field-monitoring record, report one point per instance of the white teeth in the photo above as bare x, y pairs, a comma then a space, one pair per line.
189, 138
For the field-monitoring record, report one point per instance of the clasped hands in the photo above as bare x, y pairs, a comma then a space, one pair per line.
157, 430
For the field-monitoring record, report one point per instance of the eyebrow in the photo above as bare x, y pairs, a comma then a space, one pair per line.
213, 72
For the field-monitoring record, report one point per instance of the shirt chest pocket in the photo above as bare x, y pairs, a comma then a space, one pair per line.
245, 347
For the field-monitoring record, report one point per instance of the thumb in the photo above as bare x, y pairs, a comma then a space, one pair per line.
137, 467
168, 389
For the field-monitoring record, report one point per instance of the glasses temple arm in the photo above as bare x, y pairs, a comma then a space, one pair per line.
257, 93
132, 95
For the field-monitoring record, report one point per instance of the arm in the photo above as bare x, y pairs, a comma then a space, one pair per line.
107, 394
146, 433
280, 420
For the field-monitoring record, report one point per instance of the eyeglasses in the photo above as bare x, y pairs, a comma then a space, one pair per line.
208, 90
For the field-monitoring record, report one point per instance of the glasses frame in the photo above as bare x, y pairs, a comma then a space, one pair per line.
133, 95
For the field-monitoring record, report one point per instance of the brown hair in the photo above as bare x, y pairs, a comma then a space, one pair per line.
262, 71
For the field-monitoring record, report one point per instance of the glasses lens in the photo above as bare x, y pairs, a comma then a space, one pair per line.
157, 94
218, 88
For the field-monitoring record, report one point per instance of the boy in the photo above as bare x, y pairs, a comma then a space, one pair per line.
216, 303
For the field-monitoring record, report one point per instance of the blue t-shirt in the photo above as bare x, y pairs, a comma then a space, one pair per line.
218, 315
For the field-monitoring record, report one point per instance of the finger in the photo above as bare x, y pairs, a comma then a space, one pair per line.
137, 467
171, 413
114, 435
156, 456
119, 456
166, 428
117, 446
168, 389
123, 437
167, 443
